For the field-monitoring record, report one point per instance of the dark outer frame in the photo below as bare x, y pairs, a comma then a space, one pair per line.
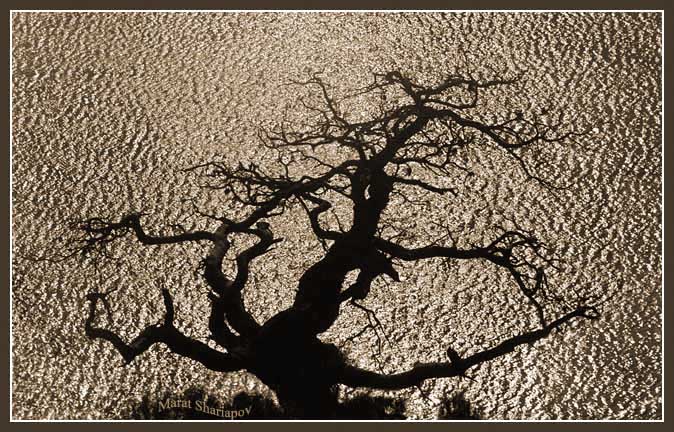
668, 124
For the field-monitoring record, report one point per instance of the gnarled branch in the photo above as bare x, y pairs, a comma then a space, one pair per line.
165, 333
357, 377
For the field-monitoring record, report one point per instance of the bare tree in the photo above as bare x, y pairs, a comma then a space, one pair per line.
409, 140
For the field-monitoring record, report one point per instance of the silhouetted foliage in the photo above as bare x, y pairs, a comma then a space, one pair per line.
257, 407
458, 408
338, 152
367, 407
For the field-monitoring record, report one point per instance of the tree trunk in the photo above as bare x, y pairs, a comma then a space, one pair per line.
308, 401
300, 368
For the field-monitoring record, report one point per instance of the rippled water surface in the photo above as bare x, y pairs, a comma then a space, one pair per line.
107, 108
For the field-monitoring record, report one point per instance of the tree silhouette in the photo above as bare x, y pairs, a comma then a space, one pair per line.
408, 138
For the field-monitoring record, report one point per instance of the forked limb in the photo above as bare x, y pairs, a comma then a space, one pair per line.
165, 333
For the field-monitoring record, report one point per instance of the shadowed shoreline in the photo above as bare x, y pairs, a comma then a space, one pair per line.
245, 406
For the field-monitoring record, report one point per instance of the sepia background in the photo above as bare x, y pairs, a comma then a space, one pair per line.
108, 108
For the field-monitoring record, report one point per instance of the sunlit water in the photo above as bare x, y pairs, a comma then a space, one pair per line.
108, 107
